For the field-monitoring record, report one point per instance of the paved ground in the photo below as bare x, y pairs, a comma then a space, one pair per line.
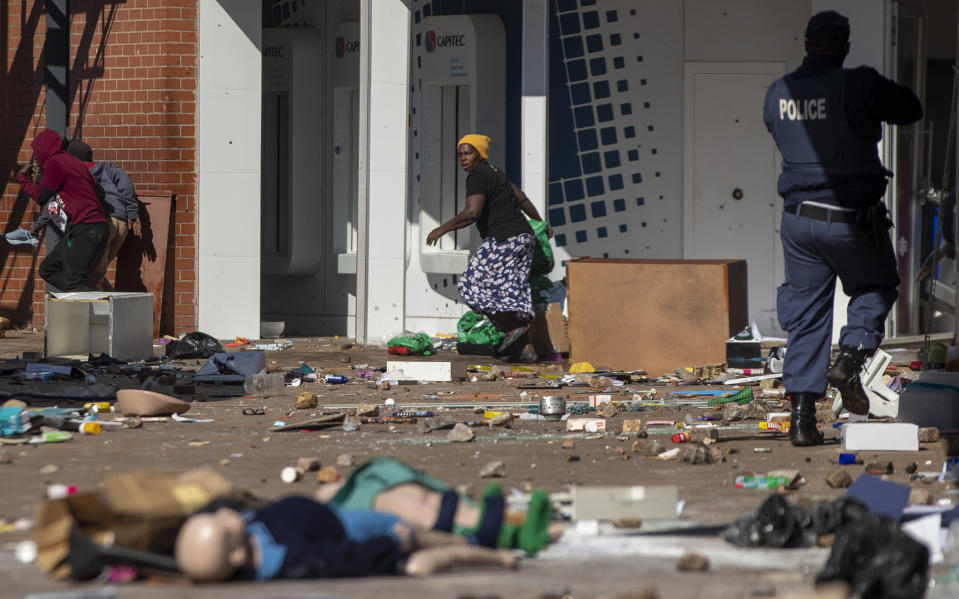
240, 447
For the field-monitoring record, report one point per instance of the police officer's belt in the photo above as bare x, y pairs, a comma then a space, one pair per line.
820, 213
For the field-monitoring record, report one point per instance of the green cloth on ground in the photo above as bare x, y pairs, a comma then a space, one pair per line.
418, 344
378, 475
478, 329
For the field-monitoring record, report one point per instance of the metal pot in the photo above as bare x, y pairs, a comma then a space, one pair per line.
552, 407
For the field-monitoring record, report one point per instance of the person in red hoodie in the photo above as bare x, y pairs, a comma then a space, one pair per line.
67, 267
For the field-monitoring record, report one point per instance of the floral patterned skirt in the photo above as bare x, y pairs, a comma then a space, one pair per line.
497, 277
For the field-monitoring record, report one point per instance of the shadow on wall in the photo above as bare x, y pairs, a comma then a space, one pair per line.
22, 83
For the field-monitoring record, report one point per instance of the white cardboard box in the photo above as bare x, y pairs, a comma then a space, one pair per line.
116, 323
434, 372
880, 436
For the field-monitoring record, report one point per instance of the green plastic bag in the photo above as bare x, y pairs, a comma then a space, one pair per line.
477, 329
418, 344
542, 252
540, 286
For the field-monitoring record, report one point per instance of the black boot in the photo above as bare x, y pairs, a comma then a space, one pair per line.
802, 422
844, 376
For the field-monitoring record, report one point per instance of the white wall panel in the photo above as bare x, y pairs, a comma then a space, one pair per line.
228, 168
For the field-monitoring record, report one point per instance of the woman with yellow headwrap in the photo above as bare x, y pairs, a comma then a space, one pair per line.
496, 281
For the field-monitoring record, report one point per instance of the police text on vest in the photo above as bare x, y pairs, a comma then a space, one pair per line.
808, 109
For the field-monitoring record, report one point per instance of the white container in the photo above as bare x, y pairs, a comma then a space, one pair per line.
80, 323
880, 436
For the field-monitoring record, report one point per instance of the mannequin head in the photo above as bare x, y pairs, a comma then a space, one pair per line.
210, 547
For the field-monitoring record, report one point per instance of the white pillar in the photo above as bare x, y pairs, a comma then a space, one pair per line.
383, 188
228, 168
534, 123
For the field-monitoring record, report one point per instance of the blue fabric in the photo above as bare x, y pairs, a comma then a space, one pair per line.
363, 525
272, 553
815, 253
497, 277
302, 538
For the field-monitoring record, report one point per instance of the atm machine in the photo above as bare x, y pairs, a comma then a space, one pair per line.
463, 77
460, 74
291, 183
344, 77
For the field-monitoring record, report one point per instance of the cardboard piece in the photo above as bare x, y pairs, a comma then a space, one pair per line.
140, 510
657, 315
319, 422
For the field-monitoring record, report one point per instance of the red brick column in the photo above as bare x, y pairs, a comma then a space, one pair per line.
133, 99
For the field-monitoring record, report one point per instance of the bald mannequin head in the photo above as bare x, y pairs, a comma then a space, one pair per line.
210, 547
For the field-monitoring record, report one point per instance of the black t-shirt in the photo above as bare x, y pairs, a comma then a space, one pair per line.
501, 218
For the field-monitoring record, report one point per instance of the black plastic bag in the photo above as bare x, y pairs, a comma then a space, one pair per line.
778, 523
193, 345
878, 561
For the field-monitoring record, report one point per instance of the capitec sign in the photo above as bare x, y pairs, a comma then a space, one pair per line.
434, 40
345, 46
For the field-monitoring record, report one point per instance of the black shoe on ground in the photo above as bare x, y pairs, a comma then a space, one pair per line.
844, 376
802, 422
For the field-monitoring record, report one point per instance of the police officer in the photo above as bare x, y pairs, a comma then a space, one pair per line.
826, 121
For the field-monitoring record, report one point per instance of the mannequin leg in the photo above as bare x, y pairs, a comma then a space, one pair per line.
436, 559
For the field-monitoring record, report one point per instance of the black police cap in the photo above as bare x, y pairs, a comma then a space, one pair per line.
828, 25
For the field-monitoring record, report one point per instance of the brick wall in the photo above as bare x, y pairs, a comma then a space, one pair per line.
132, 96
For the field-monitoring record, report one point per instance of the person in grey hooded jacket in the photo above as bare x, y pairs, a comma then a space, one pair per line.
119, 203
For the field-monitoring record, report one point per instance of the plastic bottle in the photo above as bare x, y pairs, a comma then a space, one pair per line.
335, 379
89, 428
760, 482
264, 384
51, 437
680, 437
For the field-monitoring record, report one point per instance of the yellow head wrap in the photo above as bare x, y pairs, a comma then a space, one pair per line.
480, 142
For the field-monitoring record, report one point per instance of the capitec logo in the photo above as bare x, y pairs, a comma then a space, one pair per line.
344, 46
434, 41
